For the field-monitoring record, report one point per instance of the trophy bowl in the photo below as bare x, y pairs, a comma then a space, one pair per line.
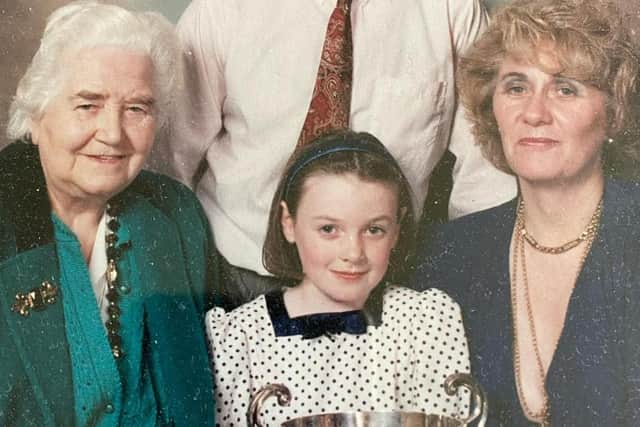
377, 419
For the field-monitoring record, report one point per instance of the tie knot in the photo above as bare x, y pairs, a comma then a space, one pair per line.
344, 4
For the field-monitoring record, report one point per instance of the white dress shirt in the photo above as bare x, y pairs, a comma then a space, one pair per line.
251, 70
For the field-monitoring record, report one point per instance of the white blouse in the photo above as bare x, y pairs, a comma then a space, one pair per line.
399, 365
98, 268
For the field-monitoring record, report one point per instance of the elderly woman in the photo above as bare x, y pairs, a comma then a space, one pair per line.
103, 268
549, 282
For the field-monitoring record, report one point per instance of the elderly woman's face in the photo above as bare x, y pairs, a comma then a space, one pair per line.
95, 135
552, 127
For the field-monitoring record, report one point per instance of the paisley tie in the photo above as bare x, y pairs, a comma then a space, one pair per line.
331, 99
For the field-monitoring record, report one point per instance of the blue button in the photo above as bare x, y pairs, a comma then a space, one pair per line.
109, 408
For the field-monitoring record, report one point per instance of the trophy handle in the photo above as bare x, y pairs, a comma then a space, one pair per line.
258, 399
478, 396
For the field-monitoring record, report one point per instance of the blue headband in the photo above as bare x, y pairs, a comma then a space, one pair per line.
349, 141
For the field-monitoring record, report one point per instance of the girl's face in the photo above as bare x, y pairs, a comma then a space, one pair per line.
344, 229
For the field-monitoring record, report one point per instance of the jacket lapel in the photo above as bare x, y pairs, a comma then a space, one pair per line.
485, 302
587, 356
39, 338
500, 296
180, 367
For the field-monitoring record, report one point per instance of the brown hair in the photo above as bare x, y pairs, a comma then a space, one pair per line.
337, 153
591, 44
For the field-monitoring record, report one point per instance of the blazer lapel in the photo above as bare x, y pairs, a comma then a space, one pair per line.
587, 356
174, 326
39, 339
491, 287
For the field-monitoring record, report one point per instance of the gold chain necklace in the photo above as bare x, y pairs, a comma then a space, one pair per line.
542, 416
588, 232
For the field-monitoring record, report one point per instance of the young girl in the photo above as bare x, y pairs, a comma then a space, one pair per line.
343, 338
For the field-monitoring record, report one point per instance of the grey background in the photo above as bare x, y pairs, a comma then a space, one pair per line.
22, 23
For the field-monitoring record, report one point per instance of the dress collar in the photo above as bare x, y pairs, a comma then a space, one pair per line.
310, 326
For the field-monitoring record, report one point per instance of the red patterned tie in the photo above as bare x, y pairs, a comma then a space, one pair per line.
331, 100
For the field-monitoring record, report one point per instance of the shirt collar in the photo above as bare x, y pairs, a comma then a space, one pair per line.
98, 261
98, 268
330, 4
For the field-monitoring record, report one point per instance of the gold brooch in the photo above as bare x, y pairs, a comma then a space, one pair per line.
36, 299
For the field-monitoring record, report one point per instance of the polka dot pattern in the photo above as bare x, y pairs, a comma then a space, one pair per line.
400, 365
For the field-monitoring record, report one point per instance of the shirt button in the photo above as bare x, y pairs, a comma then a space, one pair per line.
125, 289
109, 408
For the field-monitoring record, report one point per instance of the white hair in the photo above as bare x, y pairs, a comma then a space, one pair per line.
88, 24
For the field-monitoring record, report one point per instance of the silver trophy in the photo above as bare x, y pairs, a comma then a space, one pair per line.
377, 419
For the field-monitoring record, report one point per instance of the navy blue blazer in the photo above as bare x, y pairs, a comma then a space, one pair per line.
594, 377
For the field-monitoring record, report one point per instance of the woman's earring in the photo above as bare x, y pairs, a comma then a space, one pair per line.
609, 140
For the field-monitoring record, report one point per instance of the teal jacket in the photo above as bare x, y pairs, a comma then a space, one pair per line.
175, 261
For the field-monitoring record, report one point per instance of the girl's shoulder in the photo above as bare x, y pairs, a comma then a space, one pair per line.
245, 316
405, 308
398, 296
414, 317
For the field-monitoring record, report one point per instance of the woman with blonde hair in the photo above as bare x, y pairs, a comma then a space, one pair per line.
549, 281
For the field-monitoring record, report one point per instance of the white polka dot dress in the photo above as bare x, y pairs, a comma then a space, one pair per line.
400, 365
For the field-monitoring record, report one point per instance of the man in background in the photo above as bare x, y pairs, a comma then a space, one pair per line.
253, 71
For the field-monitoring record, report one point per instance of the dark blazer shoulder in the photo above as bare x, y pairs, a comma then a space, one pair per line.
622, 200
446, 256
474, 228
